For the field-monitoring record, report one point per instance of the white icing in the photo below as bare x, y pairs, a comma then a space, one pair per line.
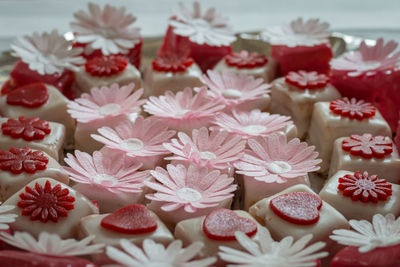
278, 167
189, 194
109, 109
132, 144
232, 93
207, 155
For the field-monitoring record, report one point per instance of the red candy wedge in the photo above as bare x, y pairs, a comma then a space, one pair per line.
221, 225
133, 219
297, 207
31, 96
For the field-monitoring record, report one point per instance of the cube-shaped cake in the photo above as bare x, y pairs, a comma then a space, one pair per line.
295, 94
340, 118
359, 195
374, 154
33, 132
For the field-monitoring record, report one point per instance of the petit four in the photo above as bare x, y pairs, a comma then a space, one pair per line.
249, 63
374, 154
295, 94
273, 164
340, 118
48, 205
359, 195
38, 134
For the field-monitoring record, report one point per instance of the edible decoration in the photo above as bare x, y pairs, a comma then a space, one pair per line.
246, 60
172, 63
28, 129
31, 96
360, 186
106, 65
190, 188
133, 219
7, 218
221, 225
18, 160
272, 159
307, 80
297, 207
368, 146
46, 203
352, 108
283, 253
154, 254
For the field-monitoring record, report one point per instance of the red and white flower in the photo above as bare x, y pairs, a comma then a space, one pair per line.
18, 160
26, 128
106, 65
246, 60
307, 80
353, 108
368, 146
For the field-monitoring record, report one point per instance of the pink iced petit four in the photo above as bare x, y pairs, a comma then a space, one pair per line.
369, 244
184, 111
237, 91
295, 94
297, 211
105, 106
360, 195
301, 45
249, 63
32, 132
340, 118
273, 164
182, 193
48, 205
374, 154
19, 166
107, 31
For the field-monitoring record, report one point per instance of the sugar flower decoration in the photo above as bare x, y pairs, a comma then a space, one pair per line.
47, 53
233, 89
273, 159
108, 29
384, 231
6, 218
142, 138
52, 244
285, 253
202, 28
154, 254
298, 33
106, 103
368, 59
213, 149
110, 173
251, 124
368, 146
190, 188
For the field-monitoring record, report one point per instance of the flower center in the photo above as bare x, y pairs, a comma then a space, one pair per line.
132, 144
207, 155
99, 178
365, 184
46, 200
254, 129
277, 167
232, 93
369, 65
109, 109
200, 25
188, 194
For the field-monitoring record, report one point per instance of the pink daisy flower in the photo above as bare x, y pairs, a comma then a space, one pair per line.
273, 159
252, 124
106, 103
184, 111
239, 91
212, 149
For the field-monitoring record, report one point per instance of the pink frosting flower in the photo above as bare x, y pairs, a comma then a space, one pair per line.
213, 149
106, 103
191, 188
252, 124
233, 89
273, 159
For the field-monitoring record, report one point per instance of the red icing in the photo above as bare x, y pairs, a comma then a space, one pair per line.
366, 188
297, 207
106, 65
307, 80
18, 160
31, 96
397, 138
368, 146
46, 203
245, 60
133, 219
221, 225
352, 108
172, 63
27, 128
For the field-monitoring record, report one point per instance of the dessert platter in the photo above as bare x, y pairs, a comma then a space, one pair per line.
199, 148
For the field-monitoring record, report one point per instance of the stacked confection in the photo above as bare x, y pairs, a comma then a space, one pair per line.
205, 157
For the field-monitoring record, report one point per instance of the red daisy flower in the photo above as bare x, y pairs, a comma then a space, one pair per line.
247, 60
172, 63
27, 128
307, 80
106, 65
368, 146
17, 160
352, 108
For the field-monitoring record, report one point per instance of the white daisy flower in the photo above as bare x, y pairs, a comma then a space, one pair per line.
5, 219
